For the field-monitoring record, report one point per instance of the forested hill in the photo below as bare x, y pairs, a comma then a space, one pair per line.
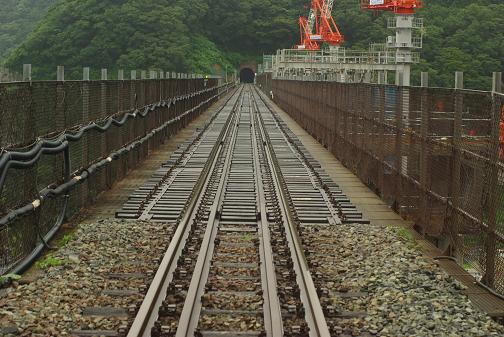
181, 35
17, 19
194, 35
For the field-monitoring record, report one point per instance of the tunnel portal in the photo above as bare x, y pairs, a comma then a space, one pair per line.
247, 75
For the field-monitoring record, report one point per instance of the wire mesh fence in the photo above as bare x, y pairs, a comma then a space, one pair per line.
433, 154
37, 111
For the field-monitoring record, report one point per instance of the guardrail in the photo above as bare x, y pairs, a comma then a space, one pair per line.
341, 56
61, 171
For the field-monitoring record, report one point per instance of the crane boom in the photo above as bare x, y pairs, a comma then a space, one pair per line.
319, 27
396, 6
328, 8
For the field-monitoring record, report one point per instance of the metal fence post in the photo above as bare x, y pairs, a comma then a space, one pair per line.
398, 143
382, 139
29, 127
161, 85
424, 150
85, 118
133, 77
120, 85
27, 72
60, 74
60, 111
141, 90
491, 238
85, 73
60, 105
103, 113
455, 183
104, 74
424, 79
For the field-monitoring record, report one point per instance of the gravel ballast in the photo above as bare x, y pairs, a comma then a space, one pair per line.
399, 292
107, 264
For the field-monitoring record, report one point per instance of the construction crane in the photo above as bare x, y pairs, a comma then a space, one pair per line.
319, 27
396, 6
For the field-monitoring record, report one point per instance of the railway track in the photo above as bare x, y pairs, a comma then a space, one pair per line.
237, 195
240, 233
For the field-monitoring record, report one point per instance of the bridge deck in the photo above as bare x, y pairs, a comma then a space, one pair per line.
372, 207
130, 275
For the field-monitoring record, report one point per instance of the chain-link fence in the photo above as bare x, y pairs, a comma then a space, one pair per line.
433, 154
7, 75
56, 133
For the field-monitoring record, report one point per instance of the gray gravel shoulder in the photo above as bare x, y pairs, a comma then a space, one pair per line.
407, 294
54, 303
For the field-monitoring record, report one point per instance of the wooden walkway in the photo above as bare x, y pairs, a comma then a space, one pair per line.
375, 210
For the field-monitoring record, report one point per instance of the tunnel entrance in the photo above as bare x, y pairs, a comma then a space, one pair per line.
247, 75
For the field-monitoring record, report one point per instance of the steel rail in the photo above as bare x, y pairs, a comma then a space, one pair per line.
189, 317
313, 310
148, 312
272, 310
314, 176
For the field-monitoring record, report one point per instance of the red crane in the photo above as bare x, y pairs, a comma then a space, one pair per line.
319, 27
396, 6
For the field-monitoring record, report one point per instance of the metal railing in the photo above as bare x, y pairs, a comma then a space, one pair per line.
416, 22
62, 143
416, 42
341, 56
433, 154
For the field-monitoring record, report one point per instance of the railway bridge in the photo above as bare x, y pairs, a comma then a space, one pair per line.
191, 206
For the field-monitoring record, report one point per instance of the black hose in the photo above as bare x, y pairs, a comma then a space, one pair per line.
28, 261
44, 145
31, 158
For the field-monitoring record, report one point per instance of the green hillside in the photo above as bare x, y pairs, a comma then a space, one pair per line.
181, 35
194, 35
17, 19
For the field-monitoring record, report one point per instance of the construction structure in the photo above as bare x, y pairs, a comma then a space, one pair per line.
335, 63
319, 27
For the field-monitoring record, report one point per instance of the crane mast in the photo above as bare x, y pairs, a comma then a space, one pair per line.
328, 8
319, 27
311, 20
